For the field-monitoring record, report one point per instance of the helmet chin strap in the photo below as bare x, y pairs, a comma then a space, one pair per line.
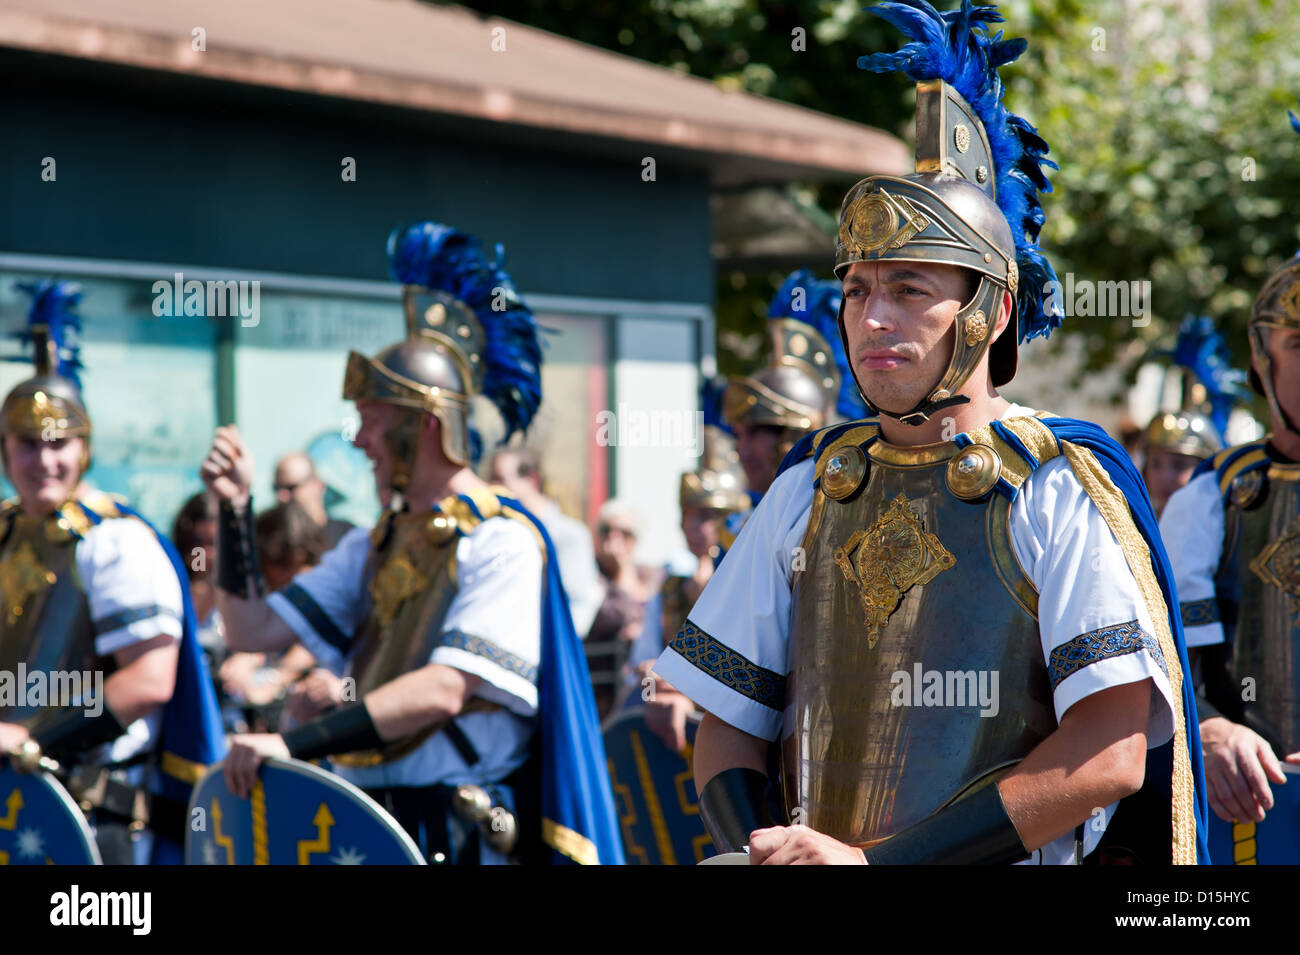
922, 412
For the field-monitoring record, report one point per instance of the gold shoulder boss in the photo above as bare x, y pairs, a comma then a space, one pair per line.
973, 471
844, 472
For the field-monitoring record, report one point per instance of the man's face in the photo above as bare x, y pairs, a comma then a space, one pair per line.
1165, 472
505, 471
700, 525
44, 473
377, 417
617, 541
1283, 346
756, 444
898, 319
294, 481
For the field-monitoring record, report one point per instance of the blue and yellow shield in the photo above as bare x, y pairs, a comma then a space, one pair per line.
1275, 841
654, 794
40, 823
297, 814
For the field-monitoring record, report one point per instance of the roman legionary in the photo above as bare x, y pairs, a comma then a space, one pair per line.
1176, 442
800, 389
707, 497
448, 619
1234, 537
90, 589
952, 619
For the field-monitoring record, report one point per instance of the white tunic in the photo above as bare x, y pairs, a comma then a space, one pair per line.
1060, 539
1192, 526
134, 595
492, 630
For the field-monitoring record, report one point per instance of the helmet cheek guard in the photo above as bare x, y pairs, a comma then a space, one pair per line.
1276, 307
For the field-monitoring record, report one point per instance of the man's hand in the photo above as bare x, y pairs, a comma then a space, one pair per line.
227, 471
316, 693
11, 737
1238, 766
246, 754
665, 716
237, 672
799, 845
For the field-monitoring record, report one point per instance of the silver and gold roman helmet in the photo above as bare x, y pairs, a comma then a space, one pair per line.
1208, 388
960, 208
1183, 432
805, 382
1276, 307
49, 406
434, 370
467, 333
796, 388
718, 484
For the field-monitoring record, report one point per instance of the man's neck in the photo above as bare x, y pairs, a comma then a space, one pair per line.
1285, 440
423, 495
946, 425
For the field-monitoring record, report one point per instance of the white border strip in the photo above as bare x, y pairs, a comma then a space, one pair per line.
289, 282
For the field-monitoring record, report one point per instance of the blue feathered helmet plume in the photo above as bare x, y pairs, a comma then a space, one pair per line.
956, 47
503, 353
711, 391
1203, 354
53, 325
816, 302
48, 406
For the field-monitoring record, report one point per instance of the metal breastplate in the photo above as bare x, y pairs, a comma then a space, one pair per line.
44, 612
1260, 574
411, 578
903, 580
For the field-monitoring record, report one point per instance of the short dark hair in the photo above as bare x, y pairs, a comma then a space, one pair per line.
199, 509
288, 537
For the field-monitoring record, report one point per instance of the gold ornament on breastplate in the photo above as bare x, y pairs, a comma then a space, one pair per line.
22, 577
1279, 564
888, 559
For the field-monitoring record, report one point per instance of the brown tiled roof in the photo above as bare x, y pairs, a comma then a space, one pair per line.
441, 59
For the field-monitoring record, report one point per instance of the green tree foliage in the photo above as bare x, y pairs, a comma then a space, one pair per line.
1168, 118
1178, 162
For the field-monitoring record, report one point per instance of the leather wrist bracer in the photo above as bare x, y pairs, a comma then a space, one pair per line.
734, 804
972, 831
346, 729
237, 562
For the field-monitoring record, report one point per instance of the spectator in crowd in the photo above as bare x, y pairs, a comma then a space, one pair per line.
619, 620
289, 541
194, 532
296, 480
519, 471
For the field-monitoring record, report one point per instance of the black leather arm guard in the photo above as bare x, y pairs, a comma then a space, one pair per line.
972, 831
71, 730
734, 804
237, 562
346, 729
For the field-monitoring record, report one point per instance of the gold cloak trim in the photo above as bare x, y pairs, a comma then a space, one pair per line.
1114, 509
